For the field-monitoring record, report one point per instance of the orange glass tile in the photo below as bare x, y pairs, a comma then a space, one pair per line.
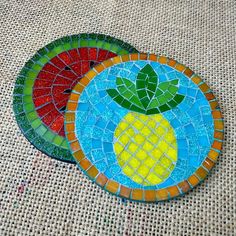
173, 191
217, 145
208, 163
193, 180
184, 186
92, 172
74, 97
201, 173
143, 56
125, 192
218, 135
152, 57
204, 87
218, 124
172, 62
216, 114
78, 155
137, 194
70, 127
125, 58
188, 72
196, 79
134, 56
71, 105
70, 117
150, 195
162, 194
213, 155
71, 136
79, 88
162, 60
85, 164
112, 186
180, 67
101, 180
210, 96
75, 146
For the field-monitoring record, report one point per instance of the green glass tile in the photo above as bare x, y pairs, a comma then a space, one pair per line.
27, 99
164, 86
100, 44
30, 134
58, 49
39, 142
178, 98
51, 54
107, 46
114, 48
18, 89
122, 52
173, 89
20, 80
153, 111
18, 108
174, 81
29, 82
27, 91
32, 115
24, 72
164, 107
42, 51
67, 46
48, 136
36, 67
92, 43
58, 140
43, 60
36, 123
84, 37
75, 43
64, 144
41, 130
29, 64
83, 43
17, 99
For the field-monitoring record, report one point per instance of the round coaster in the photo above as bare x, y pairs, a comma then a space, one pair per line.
144, 127
44, 84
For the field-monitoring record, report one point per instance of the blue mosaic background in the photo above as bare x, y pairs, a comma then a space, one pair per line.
98, 115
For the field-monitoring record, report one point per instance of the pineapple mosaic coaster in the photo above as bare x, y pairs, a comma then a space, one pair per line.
144, 127
44, 84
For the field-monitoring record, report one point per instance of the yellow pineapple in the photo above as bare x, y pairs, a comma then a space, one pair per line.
144, 141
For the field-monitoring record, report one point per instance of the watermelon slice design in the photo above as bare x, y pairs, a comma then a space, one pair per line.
44, 85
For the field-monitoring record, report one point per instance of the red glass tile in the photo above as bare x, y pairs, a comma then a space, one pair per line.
46, 75
74, 55
45, 109
58, 124
64, 56
41, 92
102, 55
58, 63
42, 100
92, 54
50, 117
83, 53
51, 68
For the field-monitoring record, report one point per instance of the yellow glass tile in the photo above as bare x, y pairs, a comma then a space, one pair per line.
118, 148
137, 179
133, 147
147, 146
152, 178
125, 155
134, 163
130, 118
128, 171
141, 154
124, 138
139, 139
143, 170
146, 131
150, 162
130, 132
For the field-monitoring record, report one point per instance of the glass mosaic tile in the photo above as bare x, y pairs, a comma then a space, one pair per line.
144, 127
44, 84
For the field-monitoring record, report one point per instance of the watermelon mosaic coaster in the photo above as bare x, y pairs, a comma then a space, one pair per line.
44, 84
144, 127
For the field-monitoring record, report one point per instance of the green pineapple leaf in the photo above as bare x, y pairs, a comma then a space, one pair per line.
146, 84
124, 102
146, 96
127, 89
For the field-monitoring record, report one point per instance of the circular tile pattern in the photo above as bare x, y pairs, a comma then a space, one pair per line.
151, 131
44, 84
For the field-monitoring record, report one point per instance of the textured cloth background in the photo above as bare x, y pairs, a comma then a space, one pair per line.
41, 196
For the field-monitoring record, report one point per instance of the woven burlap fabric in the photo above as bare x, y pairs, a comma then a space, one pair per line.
42, 196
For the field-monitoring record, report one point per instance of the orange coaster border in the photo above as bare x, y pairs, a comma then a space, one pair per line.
139, 194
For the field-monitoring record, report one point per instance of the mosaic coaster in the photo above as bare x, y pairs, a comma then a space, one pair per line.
143, 127
44, 84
